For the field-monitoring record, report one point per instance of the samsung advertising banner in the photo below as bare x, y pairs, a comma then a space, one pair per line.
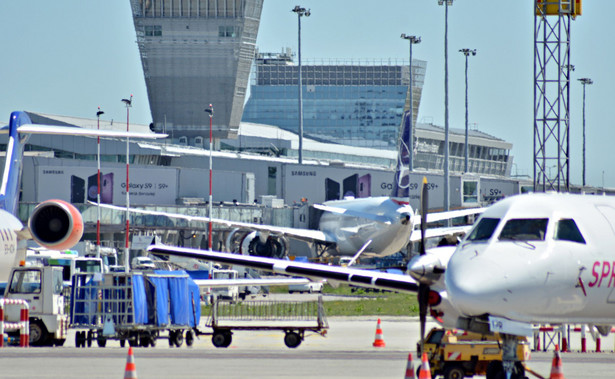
156, 186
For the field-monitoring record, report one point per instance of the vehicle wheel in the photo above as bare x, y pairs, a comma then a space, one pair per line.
101, 341
89, 338
133, 339
179, 338
453, 371
221, 339
189, 338
171, 338
292, 339
38, 334
494, 370
122, 342
145, 338
152, 340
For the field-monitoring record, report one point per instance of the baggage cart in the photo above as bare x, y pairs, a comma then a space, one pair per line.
294, 318
139, 307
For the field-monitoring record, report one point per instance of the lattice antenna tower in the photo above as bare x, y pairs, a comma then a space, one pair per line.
552, 71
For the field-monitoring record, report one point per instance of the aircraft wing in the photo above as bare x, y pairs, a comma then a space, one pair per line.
301, 234
439, 232
75, 131
440, 216
249, 282
358, 277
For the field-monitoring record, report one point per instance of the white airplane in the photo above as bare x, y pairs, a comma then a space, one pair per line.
345, 226
54, 224
529, 259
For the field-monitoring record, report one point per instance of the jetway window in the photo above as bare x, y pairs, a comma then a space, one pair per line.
525, 229
227, 31
567, 230
484, 229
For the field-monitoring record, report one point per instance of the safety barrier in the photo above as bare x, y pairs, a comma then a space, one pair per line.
23, 325
560, 335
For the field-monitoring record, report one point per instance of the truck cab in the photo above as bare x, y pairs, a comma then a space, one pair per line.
42, 288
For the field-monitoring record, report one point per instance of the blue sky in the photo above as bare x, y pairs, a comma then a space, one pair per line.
72, 56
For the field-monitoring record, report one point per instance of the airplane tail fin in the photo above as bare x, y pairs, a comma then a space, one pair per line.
402, 178
9, 189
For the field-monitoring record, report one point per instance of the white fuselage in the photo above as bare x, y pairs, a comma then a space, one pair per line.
389, 234
10, 225
534, 266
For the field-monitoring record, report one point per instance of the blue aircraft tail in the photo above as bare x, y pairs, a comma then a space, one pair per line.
402, 178
9, 190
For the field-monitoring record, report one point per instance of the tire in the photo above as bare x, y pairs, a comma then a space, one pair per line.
179, 338
222, 339
494, 369
453, 371
133, 339
59, 342
171, 338
89, 337
101, 341
189, 338
144, 340
122, 343
78, 340
38, 334
218, 339
292, 339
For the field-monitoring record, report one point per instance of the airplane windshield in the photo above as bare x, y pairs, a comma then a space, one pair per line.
525, 229
567, 230
484, 229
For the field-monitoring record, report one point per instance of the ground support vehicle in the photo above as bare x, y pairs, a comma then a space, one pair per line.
136, 307
41, 287
458, 354
293, 317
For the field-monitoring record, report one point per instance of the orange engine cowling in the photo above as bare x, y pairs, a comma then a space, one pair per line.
56, 224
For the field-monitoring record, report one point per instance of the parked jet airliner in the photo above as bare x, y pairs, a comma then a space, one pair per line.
529, 259
54, 224
345, 226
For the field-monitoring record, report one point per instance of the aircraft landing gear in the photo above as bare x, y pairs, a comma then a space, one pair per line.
510, 367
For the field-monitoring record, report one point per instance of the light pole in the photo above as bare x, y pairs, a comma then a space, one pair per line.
98, 114
447, 198
413, 40
467, 53
300, 12
210, 110
128, 103
584, 81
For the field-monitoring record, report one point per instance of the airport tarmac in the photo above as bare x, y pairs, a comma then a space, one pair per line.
346, 352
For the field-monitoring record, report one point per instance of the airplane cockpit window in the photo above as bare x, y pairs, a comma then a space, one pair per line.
525, 229
484, 229
567, 230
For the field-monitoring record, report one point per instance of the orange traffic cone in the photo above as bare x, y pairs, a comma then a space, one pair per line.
410, 368
425, 372
556, 366
131, 369
379, 342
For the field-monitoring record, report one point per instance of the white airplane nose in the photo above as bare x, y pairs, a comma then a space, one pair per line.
474, 284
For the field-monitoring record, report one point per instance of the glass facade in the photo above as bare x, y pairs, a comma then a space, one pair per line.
353, 104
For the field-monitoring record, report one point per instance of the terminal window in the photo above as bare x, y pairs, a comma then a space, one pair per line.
227, 31
153, 30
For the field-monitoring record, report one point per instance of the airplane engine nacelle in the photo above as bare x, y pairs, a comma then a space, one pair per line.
271, 247
56, 224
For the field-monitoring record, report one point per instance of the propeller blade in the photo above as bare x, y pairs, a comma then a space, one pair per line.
424, 210
423, 295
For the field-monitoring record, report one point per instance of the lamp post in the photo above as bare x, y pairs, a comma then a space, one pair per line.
447, 198
300, 12
412, 40
128, 103
98, 114
584, 81
467, 53
210, 110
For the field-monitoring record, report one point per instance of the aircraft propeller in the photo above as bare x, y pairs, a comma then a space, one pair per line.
423, 294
